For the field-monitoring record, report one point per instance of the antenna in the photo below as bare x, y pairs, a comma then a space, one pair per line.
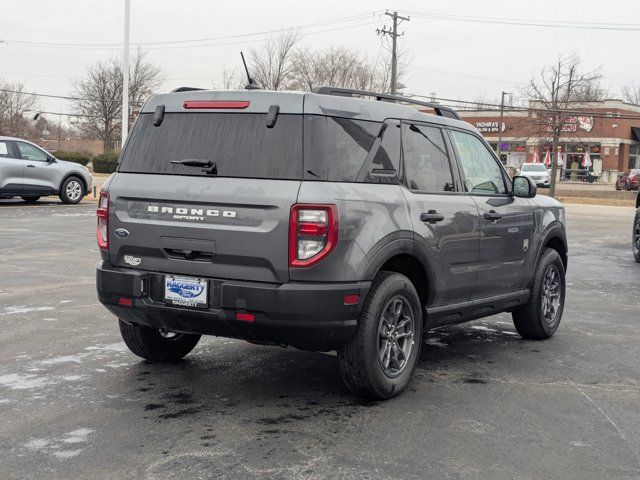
251, 85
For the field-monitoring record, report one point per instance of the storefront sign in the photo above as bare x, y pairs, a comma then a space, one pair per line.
571, 123
490, 127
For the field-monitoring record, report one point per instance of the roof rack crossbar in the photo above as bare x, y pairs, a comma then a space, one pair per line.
440, 110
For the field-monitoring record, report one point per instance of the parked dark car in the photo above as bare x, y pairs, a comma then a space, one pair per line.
321, 221
629, 180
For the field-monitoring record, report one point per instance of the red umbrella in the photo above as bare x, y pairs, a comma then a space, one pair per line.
536, 156
547, 159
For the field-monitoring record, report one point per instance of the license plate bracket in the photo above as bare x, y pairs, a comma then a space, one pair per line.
186, 291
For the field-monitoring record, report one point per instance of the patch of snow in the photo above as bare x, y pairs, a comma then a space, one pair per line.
436, 342
49, 319
24, 309
113, 347
62, 359
78, 436
16, 381
73, 378
66, 301
483, 328
64, 454
37, 444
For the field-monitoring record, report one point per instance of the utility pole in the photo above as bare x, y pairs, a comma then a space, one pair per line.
500, 124
393, 33
125, 75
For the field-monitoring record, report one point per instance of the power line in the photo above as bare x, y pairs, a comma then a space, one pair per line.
201, 42
529, 22
477, 77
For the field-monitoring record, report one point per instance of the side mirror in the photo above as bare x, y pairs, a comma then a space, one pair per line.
51, 159
524, 187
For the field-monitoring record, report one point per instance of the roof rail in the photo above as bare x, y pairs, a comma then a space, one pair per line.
186, 89
440, 110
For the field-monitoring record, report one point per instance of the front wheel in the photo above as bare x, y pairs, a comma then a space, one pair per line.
539, 318
72, 190
635, 241
379, 360
157, 345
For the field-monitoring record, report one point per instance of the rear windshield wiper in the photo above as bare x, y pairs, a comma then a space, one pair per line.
193, 162
210, 167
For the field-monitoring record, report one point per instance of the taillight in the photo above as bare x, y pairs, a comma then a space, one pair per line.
103, 221
313, 233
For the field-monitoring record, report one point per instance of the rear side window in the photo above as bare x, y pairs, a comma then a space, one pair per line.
5, 149
240, 145
348, 143
426, 162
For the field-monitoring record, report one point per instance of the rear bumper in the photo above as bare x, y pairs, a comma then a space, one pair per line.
304, 315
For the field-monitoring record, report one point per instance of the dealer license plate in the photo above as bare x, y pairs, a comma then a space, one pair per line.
185, 291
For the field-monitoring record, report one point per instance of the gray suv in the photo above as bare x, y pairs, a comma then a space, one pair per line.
324, 221
30, 172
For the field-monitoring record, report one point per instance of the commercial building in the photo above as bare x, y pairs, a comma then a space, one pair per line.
608, 131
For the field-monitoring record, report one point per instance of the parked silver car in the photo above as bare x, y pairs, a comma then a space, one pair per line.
536, 172
30, 172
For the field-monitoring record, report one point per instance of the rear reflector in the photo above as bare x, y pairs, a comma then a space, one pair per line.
351, 299
245, 317
125, 301
209, 104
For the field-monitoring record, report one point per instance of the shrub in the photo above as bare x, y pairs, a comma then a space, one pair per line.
105, 163
75, 157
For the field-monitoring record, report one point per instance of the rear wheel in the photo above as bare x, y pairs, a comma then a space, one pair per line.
539, 318
635, 244
30, 199
379, 360
155, 344
72, 190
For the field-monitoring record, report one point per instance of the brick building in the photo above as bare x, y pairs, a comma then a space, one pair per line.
609, 131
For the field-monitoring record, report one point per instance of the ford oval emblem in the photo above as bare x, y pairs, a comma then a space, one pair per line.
121, 232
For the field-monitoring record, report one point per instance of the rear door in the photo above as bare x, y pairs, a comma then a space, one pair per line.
11, 169
507, 222
227, 220
445, 220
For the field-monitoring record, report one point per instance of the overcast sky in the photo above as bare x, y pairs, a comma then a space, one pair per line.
446, 55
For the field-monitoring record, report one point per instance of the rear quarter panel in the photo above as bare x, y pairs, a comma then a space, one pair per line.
369, 216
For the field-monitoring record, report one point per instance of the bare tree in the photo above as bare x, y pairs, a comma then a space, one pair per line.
15, 105
98, 96
271, 65
338, 67
631, 93
555, 89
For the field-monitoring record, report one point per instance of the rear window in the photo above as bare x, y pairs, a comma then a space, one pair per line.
537, 167
240, 145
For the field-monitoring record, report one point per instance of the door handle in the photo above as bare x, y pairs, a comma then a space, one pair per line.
492, 216
431, 217
31, 165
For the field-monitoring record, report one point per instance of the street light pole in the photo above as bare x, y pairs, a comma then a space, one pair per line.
500, 123
125, 74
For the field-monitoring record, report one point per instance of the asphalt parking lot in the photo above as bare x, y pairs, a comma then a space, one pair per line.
484, 404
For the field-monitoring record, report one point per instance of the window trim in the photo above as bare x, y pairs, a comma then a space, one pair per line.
447, 145
508, 184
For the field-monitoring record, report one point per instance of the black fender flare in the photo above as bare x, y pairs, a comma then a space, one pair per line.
554, 230
395, 245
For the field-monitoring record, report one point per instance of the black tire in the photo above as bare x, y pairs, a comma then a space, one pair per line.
67, 194
635, 238
530, 320
151, 344
30, 199
361, 368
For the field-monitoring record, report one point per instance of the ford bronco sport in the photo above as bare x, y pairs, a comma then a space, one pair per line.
324, 221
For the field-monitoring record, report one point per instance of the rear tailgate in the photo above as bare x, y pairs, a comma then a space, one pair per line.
206, 188
230, 228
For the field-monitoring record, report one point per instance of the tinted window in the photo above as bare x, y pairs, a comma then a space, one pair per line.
240, 144
348, 143
426, 163
481, 169
536, 167
29, 152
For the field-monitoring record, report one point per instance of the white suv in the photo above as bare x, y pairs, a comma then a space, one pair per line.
536, 172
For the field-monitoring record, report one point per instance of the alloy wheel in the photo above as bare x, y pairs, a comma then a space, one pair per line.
551, 294
74, 190
395, 336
